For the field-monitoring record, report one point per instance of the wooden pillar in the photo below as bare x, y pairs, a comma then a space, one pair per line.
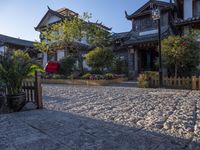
38, 90
133, 68
149, 59
136, 61
130, 64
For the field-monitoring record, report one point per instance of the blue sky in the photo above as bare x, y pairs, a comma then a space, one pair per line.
19, 17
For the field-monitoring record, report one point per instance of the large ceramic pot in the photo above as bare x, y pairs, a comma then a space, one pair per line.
16, 102
2, 100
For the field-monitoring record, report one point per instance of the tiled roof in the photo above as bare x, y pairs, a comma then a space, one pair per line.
121, 35
183, 22
147, 5
101, 25
136, 39
67, 13
15, 41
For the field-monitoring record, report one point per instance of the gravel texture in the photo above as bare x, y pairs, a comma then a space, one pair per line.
106, 118
174, 113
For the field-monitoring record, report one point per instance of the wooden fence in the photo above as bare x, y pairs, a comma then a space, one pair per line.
179, 83
32, 90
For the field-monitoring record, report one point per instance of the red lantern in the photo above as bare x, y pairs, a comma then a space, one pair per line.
52, 67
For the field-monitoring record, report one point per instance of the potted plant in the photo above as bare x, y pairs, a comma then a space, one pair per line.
13, 70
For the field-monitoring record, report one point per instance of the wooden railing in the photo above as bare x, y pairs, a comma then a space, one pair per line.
32, 90
179, 83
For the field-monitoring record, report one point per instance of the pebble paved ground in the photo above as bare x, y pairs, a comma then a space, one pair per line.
106, 118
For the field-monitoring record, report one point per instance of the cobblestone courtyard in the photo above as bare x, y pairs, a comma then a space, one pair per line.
106, 118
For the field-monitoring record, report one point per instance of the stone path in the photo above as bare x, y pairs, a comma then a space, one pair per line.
106, 118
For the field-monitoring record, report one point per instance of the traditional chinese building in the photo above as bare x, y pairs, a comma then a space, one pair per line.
139, 46
52, 17
8, 43
188, 15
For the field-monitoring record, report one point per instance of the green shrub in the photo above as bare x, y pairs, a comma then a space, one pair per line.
15, 68
99, 59
99, 77
119, 66
144, 79
67, 65
181, 54
109, 76
86, 76
57, 76
150, 74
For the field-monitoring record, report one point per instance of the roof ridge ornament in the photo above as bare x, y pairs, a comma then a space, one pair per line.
127, 16
48, 7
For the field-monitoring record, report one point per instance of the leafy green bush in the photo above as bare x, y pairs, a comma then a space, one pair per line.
67, 65
99, 77
57, 76
144, 78
99, 59
86, 76
119, 66
15, 68
181, 54
143, 81
109, 76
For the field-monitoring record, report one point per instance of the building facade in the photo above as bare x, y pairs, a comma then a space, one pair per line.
188, 16
53, 17
139, 46
10, 44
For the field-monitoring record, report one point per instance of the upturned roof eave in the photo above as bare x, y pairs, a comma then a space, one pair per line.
49, 11
138, 12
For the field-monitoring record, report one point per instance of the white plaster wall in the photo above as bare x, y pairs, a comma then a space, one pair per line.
85, 66
84, 40
198, 67
188, 9
1, 49
60, 54
52, 19
148, 32
44, 61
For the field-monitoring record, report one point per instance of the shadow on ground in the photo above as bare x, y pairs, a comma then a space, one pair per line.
48, 130
125, 84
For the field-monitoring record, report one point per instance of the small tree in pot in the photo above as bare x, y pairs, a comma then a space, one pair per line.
13, 70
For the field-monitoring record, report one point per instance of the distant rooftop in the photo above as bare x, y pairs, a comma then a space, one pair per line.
4, 39
66, 12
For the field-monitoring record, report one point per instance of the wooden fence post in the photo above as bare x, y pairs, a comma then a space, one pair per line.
38, 90
199, 83
194, 83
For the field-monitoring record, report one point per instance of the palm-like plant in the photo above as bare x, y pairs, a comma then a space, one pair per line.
14, 69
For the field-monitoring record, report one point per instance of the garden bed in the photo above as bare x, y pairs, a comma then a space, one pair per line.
84, 82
